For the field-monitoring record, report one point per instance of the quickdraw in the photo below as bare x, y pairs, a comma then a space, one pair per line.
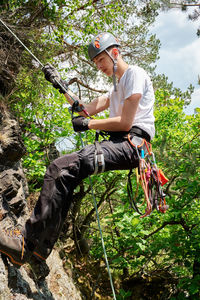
149, 177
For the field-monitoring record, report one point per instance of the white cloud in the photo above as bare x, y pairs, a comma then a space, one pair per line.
182, 66
195, 102
174, 29
180, 51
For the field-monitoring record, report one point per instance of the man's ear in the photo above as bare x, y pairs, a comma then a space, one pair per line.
115, 53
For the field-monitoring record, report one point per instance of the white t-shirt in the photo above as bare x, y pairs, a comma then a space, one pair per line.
135, 80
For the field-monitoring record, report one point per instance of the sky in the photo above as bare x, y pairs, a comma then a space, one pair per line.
179, 52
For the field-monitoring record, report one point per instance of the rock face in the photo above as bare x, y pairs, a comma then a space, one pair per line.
24, 283
13, 186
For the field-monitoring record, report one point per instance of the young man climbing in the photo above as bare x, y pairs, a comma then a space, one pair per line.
130, 102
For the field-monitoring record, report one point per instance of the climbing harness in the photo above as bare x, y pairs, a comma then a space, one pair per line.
149, 177
78, 107
99, 162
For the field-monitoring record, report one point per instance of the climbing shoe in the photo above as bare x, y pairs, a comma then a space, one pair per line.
39, 254
13, 246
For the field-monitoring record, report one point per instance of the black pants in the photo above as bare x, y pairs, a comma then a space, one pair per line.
62, 177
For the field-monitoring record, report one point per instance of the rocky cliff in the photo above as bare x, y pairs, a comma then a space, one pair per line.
44, 281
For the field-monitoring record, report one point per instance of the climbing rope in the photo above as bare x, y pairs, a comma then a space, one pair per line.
91, 185
100, 230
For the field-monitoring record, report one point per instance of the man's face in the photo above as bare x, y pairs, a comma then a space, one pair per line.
104, 63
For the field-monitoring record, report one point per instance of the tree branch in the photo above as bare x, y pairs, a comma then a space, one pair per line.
81, 8
172, 222
184, 4
78, 81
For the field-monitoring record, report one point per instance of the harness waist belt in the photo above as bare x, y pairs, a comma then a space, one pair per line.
141, 133
123, 134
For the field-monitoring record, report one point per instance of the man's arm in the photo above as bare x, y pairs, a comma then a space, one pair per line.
97, 105
121, 123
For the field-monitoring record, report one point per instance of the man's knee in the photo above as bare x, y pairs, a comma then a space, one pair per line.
86, 156
67, 164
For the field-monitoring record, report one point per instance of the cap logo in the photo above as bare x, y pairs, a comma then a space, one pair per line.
97, 45
96, 42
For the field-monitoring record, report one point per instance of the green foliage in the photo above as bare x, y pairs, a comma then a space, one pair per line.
44, 118
161, 241
123, 294
58, 31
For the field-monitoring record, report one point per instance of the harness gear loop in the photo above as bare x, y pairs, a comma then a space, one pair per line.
150, 178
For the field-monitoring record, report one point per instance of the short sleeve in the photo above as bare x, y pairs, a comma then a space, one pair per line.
134, 82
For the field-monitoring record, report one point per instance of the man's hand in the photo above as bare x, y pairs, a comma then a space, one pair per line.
80, 123
53, 76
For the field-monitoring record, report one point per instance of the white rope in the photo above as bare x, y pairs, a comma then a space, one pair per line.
29, 51
21, 43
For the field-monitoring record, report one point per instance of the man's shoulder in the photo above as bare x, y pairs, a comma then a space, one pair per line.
134, 71
136, 68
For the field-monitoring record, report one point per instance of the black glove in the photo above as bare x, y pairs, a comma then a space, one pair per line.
53, 76
80, 123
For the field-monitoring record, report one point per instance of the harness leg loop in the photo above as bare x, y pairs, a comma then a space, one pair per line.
99, 162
